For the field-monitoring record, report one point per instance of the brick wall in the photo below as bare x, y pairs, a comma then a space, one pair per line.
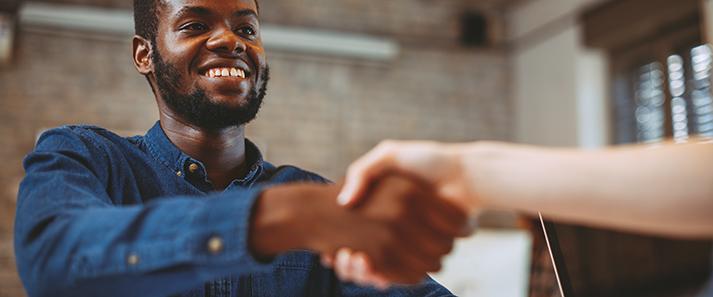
320, 113
323, 115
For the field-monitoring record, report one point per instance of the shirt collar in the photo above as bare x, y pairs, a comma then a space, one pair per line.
163, 150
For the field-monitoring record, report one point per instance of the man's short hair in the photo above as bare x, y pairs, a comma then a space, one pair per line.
146, 18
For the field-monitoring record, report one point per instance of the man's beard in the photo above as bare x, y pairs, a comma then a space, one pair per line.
197, 108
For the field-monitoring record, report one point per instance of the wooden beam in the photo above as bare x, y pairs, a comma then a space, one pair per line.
620, 23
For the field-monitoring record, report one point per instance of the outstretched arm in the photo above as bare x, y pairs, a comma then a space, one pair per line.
72, 238
665, 189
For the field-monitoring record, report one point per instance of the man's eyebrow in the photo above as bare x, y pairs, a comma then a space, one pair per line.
193, 10
245, 12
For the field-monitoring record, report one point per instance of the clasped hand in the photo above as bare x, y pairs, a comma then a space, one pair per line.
410, 230
436, 169
394, 226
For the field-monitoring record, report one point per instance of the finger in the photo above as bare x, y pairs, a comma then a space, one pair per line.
429, 244
443, 224
342, 265
376, 279
360, 271
470, 227
380, 282
411, 269
355, 265
426, 247
327, 260
445, 216
365, 274
433, 252
362, 172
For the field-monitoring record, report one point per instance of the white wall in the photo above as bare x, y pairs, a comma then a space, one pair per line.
559, 87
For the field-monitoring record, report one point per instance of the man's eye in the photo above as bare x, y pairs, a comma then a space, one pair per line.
247, 31
194, 27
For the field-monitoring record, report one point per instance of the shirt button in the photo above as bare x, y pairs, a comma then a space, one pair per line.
215, 245
132, 259
178, 173
193, 167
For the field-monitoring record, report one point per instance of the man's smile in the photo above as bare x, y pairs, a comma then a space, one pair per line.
225, 72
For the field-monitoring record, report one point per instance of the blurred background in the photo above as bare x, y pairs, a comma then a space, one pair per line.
347, 74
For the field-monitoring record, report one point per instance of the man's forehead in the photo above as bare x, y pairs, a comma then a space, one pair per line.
174, 6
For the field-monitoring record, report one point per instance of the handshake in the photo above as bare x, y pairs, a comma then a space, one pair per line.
387, 226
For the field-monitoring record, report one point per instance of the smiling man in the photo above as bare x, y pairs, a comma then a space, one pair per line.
191, 208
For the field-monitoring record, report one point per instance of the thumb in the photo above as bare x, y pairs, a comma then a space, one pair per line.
353, 188
362, 172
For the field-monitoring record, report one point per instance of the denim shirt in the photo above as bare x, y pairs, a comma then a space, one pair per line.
103, 215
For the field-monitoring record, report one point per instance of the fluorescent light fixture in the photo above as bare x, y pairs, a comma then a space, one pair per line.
328, 43
276, 38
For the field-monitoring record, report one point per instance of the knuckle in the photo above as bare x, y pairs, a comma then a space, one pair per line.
444, 248
460, 217
435, 266
414, 279
448, 247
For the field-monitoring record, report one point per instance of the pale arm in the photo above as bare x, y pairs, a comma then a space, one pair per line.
665, 189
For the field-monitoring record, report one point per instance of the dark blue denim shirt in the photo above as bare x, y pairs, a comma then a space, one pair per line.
103, 215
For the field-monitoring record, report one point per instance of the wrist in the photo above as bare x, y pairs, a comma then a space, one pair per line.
290, 217
475, 171
271, 228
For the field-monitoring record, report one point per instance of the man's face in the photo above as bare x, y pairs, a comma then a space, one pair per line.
209, 63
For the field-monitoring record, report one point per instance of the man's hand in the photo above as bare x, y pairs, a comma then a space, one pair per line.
402, 229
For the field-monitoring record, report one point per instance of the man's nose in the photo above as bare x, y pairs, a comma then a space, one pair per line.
225, 40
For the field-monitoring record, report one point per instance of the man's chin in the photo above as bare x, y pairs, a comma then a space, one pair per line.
231, 118
230, 102
224, 89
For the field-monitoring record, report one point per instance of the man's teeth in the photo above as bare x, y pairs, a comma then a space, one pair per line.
226, 72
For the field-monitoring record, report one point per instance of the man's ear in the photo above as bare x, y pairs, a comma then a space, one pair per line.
142, 55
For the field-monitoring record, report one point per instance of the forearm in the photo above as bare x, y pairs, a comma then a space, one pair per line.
298, 216
277, 222
160, 247
665, 190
